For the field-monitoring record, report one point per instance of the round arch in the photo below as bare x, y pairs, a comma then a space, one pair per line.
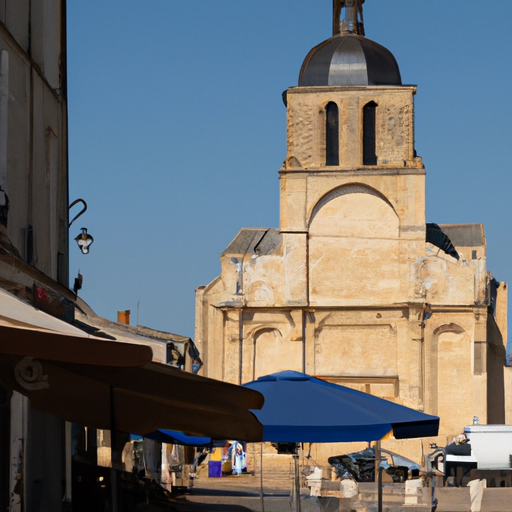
453, 369
350, 188
451, 327
353, 247
273, 352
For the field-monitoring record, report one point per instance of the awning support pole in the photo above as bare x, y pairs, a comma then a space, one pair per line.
378, 471
113, 454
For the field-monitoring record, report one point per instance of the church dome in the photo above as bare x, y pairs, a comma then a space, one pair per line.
349, 59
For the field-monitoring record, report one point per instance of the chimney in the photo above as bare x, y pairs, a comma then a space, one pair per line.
123, 317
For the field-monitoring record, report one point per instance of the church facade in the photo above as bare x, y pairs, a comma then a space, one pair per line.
354, 287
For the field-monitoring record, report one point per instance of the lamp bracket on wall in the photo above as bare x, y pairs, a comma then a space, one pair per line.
76, 201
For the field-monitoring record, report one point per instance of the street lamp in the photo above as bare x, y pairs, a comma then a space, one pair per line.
84, 240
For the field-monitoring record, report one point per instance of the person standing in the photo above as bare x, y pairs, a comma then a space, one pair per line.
237, 459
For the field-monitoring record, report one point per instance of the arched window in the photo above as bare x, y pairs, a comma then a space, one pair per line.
332, 134
369, 155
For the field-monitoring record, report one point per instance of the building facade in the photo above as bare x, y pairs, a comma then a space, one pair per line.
354, 287
33, 223
33, 133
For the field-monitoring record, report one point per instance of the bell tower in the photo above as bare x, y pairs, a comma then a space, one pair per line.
351, 183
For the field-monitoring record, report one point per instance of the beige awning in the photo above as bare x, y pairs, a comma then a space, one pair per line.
71, 348
111, 384
139, 400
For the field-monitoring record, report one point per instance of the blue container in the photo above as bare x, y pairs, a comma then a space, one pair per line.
215, 469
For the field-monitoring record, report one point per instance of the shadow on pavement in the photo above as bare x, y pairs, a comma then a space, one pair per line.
221, 492
189, 506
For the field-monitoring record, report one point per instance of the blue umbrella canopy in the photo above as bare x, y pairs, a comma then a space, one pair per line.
299, 408
176, 437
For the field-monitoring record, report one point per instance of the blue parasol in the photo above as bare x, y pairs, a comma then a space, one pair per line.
299, 408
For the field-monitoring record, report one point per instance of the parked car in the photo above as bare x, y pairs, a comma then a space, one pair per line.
361, 466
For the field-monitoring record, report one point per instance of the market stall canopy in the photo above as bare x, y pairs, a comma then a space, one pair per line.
111, 384
300, 408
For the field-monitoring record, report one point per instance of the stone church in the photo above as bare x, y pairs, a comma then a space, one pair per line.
354, 287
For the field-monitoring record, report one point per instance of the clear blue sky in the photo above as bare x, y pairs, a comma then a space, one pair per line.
177, 130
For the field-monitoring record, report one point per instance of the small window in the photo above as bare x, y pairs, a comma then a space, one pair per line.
369, 117
332, 134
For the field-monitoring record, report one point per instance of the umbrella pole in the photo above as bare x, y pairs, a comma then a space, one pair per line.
114, 487
378, 470
261, 479
296, 486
